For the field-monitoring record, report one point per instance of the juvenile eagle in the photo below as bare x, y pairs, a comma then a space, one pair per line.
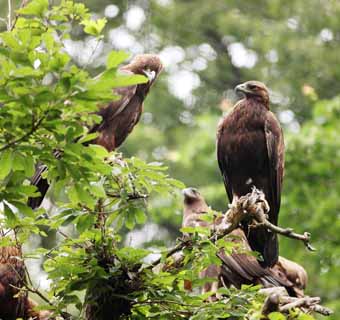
118, 117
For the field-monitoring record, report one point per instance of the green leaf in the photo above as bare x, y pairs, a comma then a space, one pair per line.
88, 137
132, 255
130, 220
85, 222
188, 230
98, 150
94, 27
276, 316
98, 190
140, 215
176, 183
115, 58
29, 166
5, 163
304, 316
36, 7
124, 81
10, 216
10, 40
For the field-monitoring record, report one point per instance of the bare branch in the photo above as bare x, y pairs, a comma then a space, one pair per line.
13, 23
287, 303
252, 205
9, 15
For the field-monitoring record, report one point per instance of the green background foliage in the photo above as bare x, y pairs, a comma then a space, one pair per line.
213, 45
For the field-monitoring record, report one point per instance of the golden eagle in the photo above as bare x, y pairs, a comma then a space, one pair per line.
250, 153
118, 117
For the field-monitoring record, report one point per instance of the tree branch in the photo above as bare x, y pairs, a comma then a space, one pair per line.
251, 206
25, 136
279, 300
22, 5
9, 15
256, 207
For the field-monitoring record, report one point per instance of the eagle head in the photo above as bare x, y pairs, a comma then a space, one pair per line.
149, 65
254, 90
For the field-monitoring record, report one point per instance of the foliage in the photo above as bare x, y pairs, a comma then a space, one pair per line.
46, 108
47, 97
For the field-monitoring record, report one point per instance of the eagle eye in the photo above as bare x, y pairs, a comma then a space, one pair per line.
252, 86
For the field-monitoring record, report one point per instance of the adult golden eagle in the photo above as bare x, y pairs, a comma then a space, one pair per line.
250, 152
118, 117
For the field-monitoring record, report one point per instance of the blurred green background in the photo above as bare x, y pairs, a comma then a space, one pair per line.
207, 48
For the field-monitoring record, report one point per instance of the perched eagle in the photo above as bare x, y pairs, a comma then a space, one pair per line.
250, 152
118, 117
238, 268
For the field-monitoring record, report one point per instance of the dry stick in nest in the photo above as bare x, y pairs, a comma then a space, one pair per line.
276, 301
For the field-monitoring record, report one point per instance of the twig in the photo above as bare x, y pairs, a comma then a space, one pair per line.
300, 302
255, 206
278, 300
9, 15
186, 242
252, 205
321, 309
22, 5
288, 232
130, 196
38, 293
25, 136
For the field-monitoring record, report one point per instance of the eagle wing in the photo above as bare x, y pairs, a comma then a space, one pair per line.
243, 268
275, 150
222, 159
110, 111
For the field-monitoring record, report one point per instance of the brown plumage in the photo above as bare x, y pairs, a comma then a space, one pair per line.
239, 267
118, 117
295, 273
13, 303
12, 273
250, 152
194, 207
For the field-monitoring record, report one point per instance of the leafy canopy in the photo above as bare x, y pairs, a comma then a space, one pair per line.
47, 106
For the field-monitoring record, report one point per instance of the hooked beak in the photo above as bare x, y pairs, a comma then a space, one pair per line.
242, 88
151, 75
189, 193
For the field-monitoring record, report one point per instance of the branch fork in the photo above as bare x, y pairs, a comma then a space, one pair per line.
255, 207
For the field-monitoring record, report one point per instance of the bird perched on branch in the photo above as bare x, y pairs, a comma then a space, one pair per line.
250, 152
239, 267
118, 117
